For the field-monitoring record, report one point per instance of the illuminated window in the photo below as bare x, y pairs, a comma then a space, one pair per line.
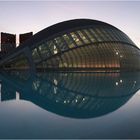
68, 41
61, 43
52, 47
83, 37
76, 39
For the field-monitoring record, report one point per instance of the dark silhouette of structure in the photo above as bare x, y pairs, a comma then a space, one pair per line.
8, 43
76, 45
24, 37
7, 93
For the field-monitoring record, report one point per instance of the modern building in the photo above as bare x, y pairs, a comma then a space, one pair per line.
80, 44
8, 43
24, 37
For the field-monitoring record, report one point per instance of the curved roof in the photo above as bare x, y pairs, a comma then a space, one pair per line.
64, 26
97, 33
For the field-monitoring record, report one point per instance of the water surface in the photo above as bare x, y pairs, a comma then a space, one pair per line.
70, 105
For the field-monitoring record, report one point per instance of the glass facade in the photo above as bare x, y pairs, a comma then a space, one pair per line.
94, 47
90, 48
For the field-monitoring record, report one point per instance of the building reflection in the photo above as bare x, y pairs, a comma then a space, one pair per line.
76, 95
7, 93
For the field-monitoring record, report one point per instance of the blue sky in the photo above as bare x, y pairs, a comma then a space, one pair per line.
23, 16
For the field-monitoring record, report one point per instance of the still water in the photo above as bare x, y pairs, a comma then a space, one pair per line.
70, 105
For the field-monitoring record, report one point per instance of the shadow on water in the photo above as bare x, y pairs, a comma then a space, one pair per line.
74, 95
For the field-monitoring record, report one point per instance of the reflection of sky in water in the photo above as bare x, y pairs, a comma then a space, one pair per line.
23, 119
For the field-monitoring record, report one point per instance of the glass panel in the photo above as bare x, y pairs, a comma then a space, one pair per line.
95, 34
61, 44
44, 50
69, 41
107, 34
55, 50
52, 47
83, 37
104, 34
64, 60
70, 58
77, 57
90, 35
35, 55
114, 34
99, 33
76, 39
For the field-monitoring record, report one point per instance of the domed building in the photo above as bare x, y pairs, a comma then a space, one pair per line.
80, 44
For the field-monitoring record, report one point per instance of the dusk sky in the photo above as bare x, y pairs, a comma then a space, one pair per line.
20, 17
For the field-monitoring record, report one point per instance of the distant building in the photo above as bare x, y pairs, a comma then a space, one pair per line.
8, 43
24, 37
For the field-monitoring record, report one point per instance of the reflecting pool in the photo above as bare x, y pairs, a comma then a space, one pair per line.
69, 105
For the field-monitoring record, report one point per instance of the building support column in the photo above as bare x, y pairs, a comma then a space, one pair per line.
28, 54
